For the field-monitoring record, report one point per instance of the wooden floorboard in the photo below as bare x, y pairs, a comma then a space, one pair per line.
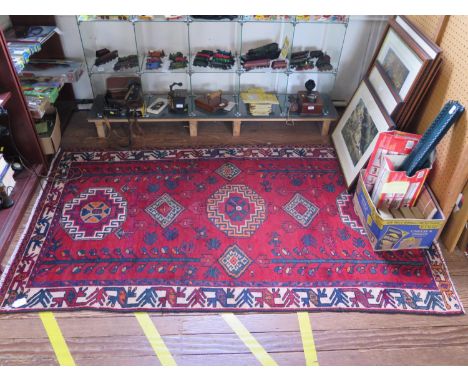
103, 338
429, 356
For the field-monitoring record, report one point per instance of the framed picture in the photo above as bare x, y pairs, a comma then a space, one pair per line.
384, 89
428, 46
402, 60
356, 133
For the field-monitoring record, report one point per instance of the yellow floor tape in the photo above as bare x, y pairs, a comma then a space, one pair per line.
59, 345
307, 339
249, 341
155, 339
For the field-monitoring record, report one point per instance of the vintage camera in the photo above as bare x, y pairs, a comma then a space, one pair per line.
177, 99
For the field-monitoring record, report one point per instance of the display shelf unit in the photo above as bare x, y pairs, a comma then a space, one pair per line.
51, 49
26, 140
138, 34
236, 116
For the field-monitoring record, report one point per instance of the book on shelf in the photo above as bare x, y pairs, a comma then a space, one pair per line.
30, 34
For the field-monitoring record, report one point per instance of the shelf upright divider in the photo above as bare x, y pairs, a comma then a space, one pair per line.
190, 93
240, 22
140, 64
288, 68
345, 25
78, 23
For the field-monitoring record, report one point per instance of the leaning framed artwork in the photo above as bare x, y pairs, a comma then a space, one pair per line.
356, 133
403, 61
384, 89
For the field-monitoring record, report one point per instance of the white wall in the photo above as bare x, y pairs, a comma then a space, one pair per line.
362, 35
5, 22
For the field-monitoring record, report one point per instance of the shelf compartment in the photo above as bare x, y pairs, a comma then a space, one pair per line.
224, 20
108, 68
26, 183
164, 66
320, 19
202, 69
267, 19
160, 19
196, 112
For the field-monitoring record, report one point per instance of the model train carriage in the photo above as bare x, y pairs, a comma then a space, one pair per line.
279, 64
256, 64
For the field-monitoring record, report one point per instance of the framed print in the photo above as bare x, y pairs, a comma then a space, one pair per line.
356, 133
402, 60
384, 89
431, 49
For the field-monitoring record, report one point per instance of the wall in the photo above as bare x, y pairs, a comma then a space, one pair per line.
450, 173
4, 22
362, 35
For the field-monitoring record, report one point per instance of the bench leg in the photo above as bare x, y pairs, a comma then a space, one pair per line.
236, 127
325, 127
193, 125
101, 129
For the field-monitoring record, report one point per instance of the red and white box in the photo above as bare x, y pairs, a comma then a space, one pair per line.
388, 143
395, 189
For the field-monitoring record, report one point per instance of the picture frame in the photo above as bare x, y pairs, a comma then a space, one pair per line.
434, 52
403, 60
428, 46
384, 90
356, 132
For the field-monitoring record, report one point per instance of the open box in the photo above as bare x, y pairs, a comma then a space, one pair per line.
50, 142
386, 233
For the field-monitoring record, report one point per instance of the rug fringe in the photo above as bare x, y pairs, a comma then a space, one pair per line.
26, 227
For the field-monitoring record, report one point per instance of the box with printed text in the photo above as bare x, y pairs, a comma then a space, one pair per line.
387, 234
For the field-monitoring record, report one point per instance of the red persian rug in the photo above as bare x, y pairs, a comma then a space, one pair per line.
231, 229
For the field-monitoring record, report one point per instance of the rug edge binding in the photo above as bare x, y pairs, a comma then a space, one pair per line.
441, 255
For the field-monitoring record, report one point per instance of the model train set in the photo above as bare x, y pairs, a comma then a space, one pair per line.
265, 56
247, 62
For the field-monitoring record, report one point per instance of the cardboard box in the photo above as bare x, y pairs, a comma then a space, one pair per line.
394, 234
50, 142
393, 188
388, 143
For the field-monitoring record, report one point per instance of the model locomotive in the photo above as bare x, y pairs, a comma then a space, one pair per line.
219, 59
270, 51
262, 57
103, 56
178, 61
154, 59
308, 59
127, 62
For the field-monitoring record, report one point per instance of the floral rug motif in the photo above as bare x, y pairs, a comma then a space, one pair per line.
225, 229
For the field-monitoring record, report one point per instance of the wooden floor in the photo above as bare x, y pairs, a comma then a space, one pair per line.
207, 339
